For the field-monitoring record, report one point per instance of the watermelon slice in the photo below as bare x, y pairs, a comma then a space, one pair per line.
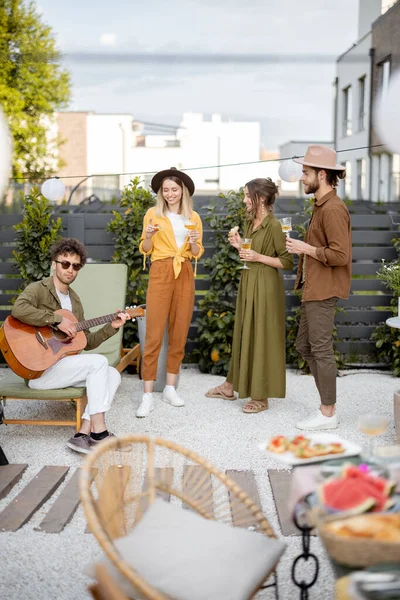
346, 495
382, 501
384, 486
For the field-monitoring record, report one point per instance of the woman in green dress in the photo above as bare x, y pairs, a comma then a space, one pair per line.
258, 365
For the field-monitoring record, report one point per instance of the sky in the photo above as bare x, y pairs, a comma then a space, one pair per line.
292, 100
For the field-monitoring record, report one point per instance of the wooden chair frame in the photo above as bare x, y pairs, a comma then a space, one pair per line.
105, 510
129, 356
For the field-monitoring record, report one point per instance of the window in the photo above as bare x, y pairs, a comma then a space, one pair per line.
395, 179
105, 182
346, 130
361, 178
361, 103
384, 76
347, 181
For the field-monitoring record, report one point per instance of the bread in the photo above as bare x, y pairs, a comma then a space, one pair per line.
233, 231
383, 527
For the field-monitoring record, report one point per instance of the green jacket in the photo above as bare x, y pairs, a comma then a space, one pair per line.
37, 304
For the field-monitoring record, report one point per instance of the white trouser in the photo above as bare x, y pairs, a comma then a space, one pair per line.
83, 370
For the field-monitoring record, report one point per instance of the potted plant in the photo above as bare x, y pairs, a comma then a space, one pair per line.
389, 274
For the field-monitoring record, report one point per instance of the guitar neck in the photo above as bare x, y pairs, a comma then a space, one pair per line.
82, 325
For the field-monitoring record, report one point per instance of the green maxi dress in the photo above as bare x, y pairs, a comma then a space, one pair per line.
258, 364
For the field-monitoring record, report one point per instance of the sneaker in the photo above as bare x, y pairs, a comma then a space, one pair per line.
146, 405
318, 421
80, 444
170, 395
95, 443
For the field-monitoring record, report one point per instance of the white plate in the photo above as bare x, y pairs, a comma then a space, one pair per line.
289, 458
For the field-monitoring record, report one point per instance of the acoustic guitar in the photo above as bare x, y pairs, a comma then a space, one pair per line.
30, 350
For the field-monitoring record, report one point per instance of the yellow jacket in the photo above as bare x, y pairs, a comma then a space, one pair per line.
164, 243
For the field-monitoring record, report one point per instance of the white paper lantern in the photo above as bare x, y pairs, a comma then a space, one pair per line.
5, 154
53, 189
290, 171
386, 115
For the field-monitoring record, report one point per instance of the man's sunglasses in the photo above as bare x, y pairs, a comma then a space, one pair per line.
66, 265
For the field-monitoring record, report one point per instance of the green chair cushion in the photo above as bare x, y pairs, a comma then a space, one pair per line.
12, 386
102, 290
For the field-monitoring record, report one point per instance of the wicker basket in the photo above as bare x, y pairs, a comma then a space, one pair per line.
358, 552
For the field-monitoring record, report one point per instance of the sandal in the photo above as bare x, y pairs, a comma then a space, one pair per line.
255, 406
217, 393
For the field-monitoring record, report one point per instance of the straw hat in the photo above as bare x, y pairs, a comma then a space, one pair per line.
320, 157
172, 172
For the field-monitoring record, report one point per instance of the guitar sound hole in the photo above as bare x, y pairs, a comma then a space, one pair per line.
61, 336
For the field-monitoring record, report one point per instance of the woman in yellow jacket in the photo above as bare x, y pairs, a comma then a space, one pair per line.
172, 237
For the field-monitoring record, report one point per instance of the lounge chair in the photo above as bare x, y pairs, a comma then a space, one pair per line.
102, 289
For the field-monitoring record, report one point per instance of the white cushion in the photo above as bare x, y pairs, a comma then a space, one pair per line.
185, 556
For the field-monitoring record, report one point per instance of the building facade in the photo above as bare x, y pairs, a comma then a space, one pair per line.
98, 145
104, 146
352, 107
385, 60
362, 73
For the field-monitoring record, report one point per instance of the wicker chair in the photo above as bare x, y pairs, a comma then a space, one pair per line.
105, 587
123, 476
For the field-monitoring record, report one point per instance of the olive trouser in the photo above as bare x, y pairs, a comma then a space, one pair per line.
314, 343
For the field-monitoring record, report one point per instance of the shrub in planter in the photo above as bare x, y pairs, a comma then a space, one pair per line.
217, 309
127, 228
36, 233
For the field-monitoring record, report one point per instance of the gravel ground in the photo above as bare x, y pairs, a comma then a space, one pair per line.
47, 566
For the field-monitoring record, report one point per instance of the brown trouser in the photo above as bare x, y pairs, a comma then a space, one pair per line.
168, 300
314, 343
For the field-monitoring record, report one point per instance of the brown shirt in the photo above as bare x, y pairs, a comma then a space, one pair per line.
329, 274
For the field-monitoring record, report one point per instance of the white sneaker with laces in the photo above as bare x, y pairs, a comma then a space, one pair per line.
170, 395
317, 422
146, 405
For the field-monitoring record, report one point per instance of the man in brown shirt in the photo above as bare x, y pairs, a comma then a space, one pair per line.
324, 274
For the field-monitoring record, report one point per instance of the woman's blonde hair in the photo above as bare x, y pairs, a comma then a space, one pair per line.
261, 189
186, 204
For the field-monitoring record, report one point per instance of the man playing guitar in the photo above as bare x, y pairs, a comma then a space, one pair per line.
36, 306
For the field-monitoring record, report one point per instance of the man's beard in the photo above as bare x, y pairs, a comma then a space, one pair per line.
311, 188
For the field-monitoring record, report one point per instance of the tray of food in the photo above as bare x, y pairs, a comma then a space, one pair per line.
315, 447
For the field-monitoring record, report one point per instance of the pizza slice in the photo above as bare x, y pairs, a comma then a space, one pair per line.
278, 444
321, 449
304, 452
298, 442
336, 448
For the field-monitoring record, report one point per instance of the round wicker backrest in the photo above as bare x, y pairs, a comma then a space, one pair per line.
123, 476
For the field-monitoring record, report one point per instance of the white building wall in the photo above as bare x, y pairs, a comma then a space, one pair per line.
352, 66
147, 160
207, 144
113, 145
109, 145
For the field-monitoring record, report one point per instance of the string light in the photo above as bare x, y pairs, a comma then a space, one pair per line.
251, 162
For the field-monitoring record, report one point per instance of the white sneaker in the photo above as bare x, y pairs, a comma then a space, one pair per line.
318, 421
170, 395
146, 405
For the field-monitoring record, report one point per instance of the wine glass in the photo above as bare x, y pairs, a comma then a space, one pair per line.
190, 227
372, 425
245, 244
286, 224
